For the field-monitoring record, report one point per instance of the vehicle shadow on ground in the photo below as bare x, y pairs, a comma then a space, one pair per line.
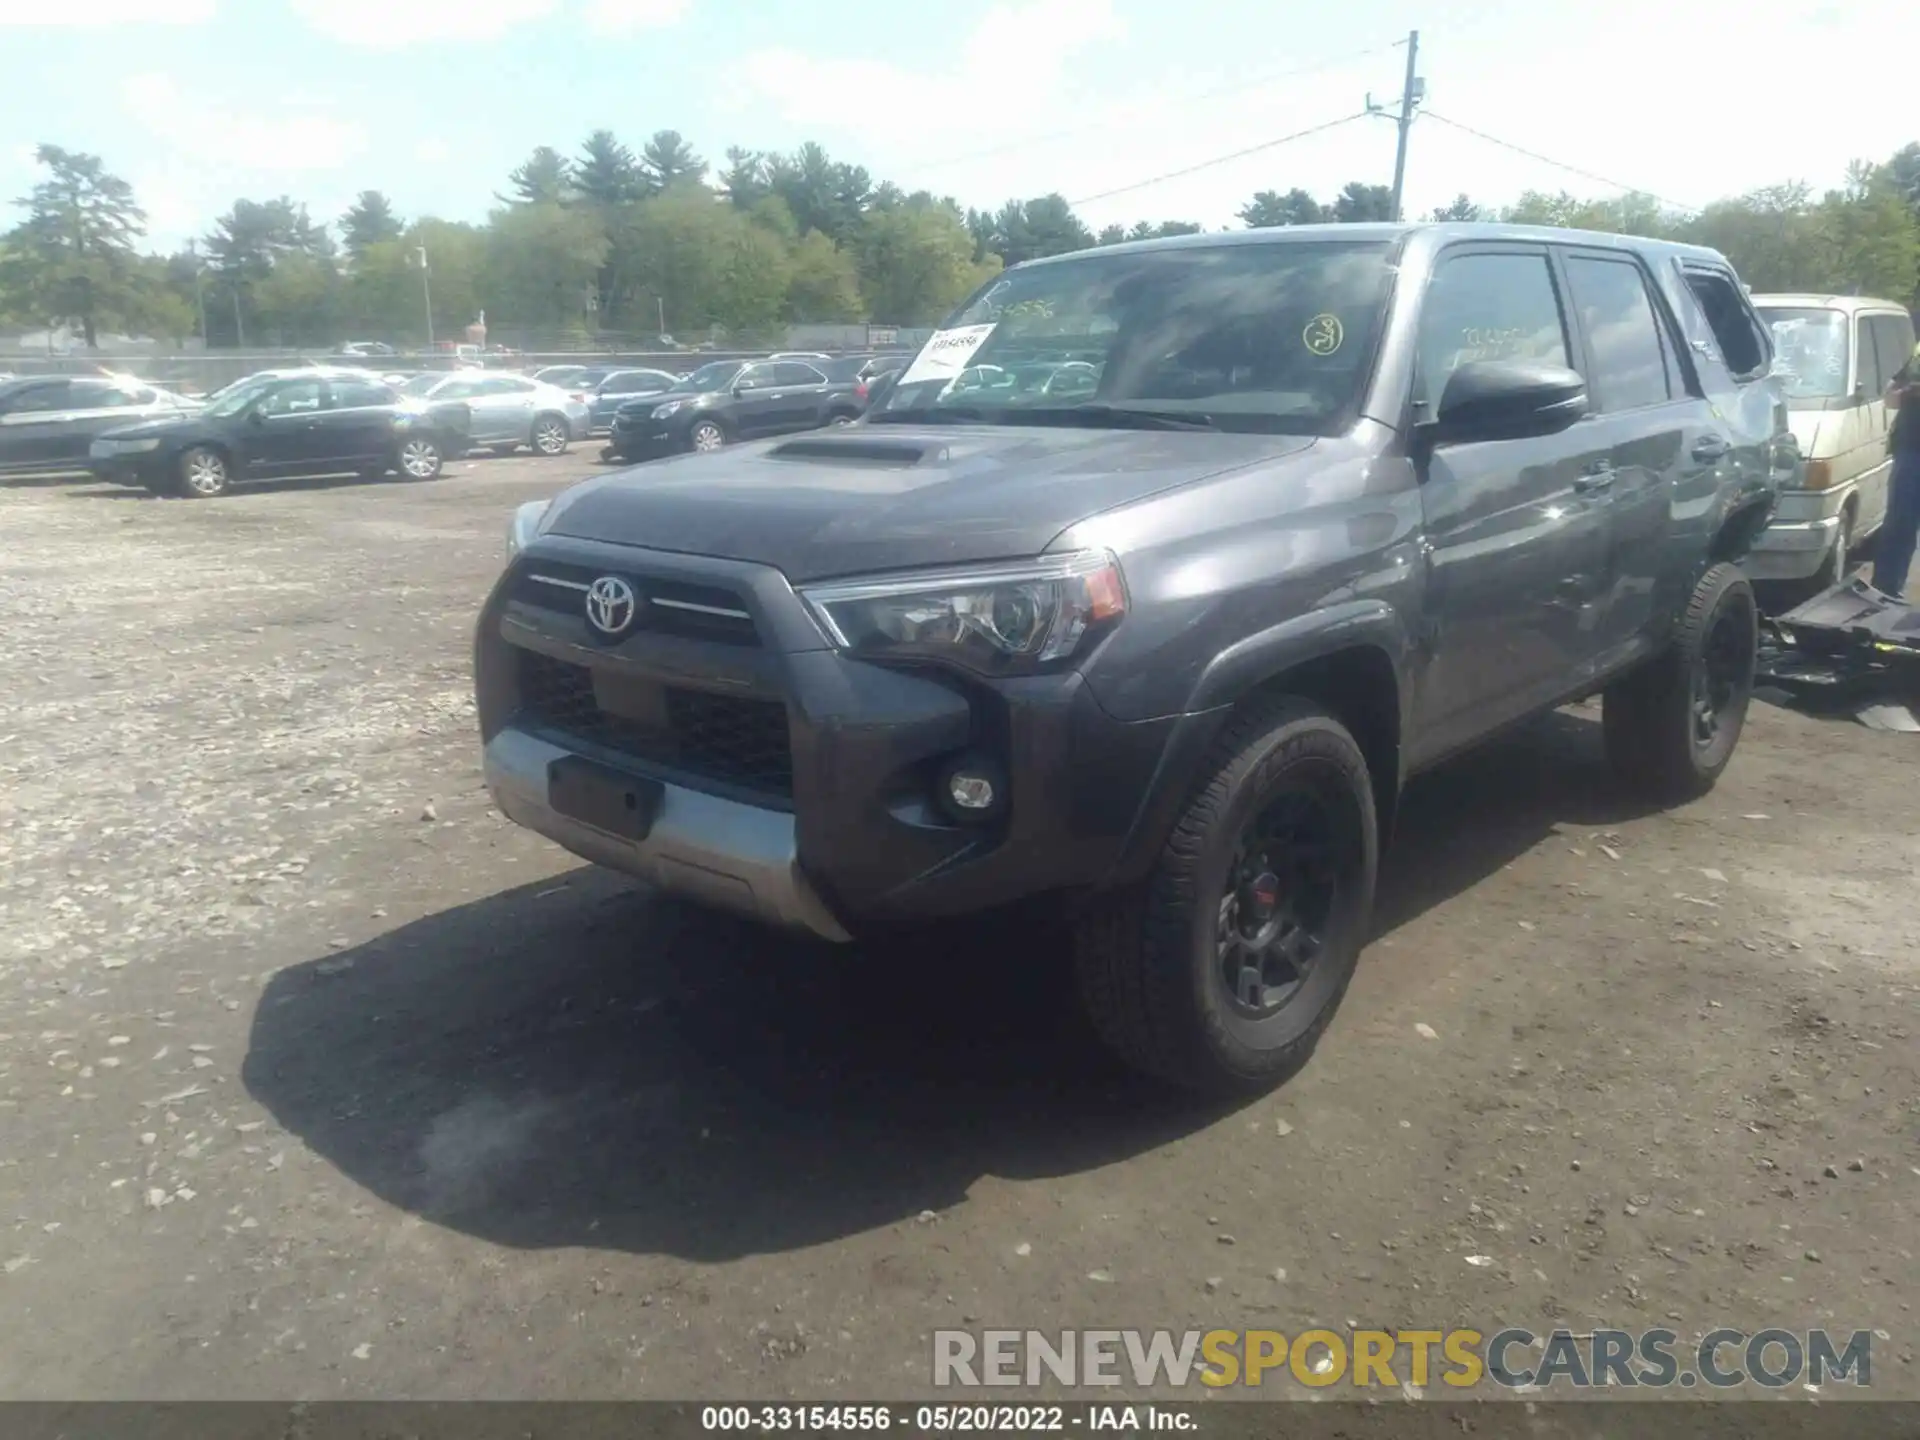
292, 483
581, 1063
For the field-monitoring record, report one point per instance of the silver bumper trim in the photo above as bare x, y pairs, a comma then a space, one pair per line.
733, 856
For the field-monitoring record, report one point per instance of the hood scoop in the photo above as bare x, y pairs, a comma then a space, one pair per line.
857, 450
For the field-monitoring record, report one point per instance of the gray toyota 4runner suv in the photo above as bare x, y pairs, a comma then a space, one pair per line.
1338, 503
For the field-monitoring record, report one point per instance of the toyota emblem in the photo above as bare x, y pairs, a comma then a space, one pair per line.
611, 605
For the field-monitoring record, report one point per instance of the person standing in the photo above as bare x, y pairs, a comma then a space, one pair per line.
1893, 552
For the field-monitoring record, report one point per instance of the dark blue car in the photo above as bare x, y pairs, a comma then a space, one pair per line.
614, 388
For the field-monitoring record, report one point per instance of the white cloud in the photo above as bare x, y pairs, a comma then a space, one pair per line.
432, 150
394, 24
98, 14
1018, 46
216, 136
620, 17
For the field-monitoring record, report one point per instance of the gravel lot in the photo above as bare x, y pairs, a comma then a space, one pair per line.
318, 1079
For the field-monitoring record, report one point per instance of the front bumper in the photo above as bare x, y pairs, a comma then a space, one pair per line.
1801, 535
851, 838
647, 439
145, 468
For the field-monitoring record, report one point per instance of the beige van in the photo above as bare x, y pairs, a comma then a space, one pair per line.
1833, 356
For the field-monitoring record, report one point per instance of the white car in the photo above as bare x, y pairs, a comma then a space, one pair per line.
509, 411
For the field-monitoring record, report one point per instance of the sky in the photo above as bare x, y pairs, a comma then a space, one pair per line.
197, 102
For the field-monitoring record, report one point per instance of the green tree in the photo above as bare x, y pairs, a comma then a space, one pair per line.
368, 222
542, 262
606, 173
1029, 229
1270, 208
1461, 208
1868, 239
543, 178
668, 160
745, 178
822, 193
1357, 203
917, 263
823, 283
247, 245
73, 258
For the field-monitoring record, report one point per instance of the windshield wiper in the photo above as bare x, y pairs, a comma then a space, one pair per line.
1120, 417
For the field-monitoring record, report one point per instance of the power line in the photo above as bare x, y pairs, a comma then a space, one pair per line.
1556, 164
1239, 87
1221, 159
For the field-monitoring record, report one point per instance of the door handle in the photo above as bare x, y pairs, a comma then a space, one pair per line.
1709, 448
1598, 477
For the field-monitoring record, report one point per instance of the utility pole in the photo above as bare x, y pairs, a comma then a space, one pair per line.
239, 330
1412, 91
426, 291
200, 293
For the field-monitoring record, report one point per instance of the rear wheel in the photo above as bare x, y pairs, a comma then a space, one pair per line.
551, 435
203, 473
1220, 971
420, 458
1672, 725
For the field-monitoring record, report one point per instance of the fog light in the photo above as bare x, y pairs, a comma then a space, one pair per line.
971, 792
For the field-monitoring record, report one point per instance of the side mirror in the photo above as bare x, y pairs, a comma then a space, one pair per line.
1509, 400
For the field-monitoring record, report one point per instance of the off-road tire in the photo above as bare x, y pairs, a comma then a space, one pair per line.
1145, 957
1650, 717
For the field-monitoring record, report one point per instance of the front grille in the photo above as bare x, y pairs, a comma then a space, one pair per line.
696, 612
733, 739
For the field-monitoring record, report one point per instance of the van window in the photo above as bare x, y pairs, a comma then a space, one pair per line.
1742, 347
1809, 351
1868, 378
1892, 337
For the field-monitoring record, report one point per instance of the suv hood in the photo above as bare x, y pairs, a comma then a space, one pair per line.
842, 502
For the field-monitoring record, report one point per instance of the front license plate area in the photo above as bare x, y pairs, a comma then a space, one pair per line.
603, 797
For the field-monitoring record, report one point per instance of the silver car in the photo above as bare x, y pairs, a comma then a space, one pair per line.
509, 410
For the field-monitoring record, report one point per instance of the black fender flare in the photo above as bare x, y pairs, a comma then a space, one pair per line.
1242, 669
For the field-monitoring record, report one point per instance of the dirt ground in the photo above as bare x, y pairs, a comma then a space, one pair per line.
318, 1079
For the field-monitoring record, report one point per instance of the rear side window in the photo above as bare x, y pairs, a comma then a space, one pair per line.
792, 372
1624, 334
1487, 307
1743, 348
103, 395
360, 394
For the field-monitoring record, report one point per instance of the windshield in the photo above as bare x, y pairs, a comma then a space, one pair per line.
238, 396
1272, 336
709, 378
1809, 352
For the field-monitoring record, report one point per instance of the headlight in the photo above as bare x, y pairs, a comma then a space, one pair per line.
1006, 617
525, 528
672, 407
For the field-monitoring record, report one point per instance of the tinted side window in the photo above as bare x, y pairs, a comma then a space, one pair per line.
754, 377
1623, 333
358, 394
100, 395
37, 399
793, 372
296, 397
1486, 307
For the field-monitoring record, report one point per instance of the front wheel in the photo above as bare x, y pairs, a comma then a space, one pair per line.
420, 458
551, 435
1221, 970
707, 435
203, 473
1671, 726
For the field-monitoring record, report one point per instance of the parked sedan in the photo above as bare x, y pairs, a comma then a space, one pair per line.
279, 425
47, 422
616, 388
732, 400
509, 411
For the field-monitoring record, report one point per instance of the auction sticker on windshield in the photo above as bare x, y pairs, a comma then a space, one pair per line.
945, 355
